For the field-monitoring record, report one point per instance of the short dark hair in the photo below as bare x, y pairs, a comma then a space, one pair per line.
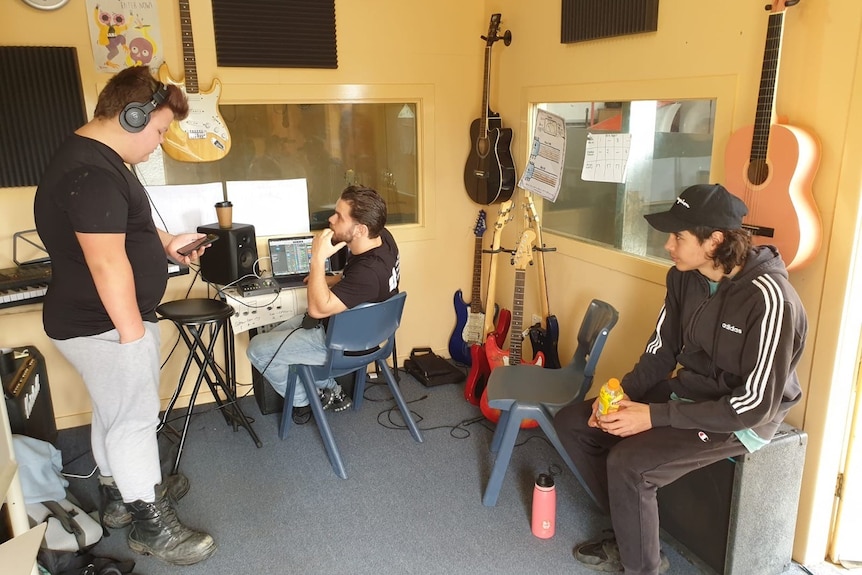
137, 84
366, 207
732, 251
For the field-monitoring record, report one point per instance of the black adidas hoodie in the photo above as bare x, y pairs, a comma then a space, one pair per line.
737, 350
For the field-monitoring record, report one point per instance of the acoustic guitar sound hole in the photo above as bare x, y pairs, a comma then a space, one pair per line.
758, 171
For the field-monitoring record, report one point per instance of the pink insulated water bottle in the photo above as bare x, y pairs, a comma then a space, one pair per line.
544, 507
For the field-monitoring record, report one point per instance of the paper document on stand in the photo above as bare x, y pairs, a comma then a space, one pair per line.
181, 208
606, 157
273, 207
545, 166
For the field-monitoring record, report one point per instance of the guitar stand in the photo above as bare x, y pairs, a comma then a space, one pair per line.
497, 251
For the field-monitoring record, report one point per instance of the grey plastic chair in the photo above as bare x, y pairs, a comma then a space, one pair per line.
355, 339
531, 392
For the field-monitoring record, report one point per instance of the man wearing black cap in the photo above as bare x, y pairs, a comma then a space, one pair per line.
717, 377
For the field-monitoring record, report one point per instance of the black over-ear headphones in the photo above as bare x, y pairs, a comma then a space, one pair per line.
137, 115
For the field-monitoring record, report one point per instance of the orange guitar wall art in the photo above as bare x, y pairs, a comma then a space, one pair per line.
770, 166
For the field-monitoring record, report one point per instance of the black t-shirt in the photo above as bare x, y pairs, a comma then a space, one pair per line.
87, 188
371, 276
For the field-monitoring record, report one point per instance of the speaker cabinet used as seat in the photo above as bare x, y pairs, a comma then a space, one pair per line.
232, 256
738, 516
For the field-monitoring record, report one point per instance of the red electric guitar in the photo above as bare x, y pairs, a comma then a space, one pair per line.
477, 377
496, 356
771, 166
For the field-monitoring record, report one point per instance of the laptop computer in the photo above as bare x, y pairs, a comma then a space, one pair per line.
291, 260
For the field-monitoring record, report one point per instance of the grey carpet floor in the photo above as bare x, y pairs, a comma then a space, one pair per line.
406, 507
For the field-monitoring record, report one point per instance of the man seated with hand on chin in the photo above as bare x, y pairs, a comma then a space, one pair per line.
371, 275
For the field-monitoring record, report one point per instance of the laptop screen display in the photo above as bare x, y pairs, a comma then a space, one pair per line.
291, 256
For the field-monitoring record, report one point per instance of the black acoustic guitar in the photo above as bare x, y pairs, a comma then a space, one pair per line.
489, 175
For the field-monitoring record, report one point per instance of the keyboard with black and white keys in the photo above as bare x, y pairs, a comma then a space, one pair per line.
25, 284
28, 283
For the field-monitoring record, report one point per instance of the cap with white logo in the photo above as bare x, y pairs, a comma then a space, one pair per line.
709, 205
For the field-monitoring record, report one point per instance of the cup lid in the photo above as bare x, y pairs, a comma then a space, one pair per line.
545, 480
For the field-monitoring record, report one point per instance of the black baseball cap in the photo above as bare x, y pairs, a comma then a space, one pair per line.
708, 205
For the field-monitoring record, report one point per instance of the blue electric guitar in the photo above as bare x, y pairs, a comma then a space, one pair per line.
470, 320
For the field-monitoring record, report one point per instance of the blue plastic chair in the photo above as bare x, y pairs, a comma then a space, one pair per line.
531, 392
355, 338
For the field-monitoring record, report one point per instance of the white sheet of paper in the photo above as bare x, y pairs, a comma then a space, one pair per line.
273, 207
182, 208
606, 157
544, 170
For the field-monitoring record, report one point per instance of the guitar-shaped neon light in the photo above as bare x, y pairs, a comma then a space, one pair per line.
497, 357
470, 320
771, 166
203, 135
477, 377
543, 340
489, 174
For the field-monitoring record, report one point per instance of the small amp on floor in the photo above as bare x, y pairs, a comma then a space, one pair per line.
28, 397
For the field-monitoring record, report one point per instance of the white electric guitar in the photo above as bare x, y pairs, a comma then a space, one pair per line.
203, 135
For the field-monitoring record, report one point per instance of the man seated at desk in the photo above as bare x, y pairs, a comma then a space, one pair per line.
371, 275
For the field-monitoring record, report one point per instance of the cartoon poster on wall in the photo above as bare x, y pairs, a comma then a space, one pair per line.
125, 33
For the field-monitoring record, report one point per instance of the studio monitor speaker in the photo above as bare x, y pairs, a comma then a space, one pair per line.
232, 256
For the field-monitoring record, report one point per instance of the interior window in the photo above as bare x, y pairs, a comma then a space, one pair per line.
329, 145
670, 149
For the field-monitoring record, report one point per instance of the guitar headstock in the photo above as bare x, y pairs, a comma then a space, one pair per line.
504, 215
531, 208
492, 36
480, 228
493, 26
779, 6
524, 253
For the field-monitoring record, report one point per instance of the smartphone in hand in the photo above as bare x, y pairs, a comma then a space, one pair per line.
189, 248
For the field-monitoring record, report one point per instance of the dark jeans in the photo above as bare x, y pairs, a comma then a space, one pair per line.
624, 474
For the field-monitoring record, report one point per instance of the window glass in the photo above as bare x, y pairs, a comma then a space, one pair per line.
330, 145
671, 149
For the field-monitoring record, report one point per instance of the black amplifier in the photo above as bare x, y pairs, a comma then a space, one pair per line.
28, 397
737, 516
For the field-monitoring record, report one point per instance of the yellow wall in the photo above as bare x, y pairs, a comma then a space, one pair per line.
391, 49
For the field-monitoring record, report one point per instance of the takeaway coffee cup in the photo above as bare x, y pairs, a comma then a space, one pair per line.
224, 213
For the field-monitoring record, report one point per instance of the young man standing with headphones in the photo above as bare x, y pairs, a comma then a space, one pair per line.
109, 273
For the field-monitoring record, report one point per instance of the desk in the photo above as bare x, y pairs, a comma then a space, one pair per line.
265, 309
251, 313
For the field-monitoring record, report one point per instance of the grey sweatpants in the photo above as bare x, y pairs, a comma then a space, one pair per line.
123, 383
624, 474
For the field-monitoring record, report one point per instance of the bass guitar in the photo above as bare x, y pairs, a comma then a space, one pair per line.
498, 357
489, 175
470, 320
543, 340
203, 135
477, 377
771, 167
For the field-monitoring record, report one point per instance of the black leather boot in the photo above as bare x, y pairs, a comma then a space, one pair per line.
156, 530
115, 514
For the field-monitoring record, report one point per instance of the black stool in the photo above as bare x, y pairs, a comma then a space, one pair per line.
192, 316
